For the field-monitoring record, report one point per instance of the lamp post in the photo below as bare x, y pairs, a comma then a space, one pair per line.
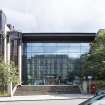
89, 83
84, 85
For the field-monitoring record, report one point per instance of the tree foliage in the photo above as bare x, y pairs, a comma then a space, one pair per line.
8, 73
95, 61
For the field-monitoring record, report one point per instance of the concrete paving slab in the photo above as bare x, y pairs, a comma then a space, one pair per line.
45, 97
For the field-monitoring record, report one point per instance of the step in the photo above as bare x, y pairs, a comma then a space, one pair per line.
47, 89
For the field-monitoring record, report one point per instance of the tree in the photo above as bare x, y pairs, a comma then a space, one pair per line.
95, 61
8, 73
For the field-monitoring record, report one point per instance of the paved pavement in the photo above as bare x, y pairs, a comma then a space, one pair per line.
45, 102
46, 97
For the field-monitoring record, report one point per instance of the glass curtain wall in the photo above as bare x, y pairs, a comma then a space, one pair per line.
53, 63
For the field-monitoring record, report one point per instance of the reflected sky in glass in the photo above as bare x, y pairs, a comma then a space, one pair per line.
73, 50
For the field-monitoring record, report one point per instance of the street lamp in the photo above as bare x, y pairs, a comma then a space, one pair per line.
89, 83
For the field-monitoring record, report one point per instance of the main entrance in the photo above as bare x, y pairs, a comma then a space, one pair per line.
54, 62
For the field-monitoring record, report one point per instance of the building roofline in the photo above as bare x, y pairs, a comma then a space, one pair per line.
59, 34
58, 37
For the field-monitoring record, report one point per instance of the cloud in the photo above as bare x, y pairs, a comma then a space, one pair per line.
21, 21
55, 15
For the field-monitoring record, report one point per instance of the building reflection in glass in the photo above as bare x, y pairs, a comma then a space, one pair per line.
51, 63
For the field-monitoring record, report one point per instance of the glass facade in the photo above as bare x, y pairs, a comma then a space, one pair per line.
2, 21
52, 63
2, 29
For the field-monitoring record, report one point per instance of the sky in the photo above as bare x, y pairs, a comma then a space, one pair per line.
55, 15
